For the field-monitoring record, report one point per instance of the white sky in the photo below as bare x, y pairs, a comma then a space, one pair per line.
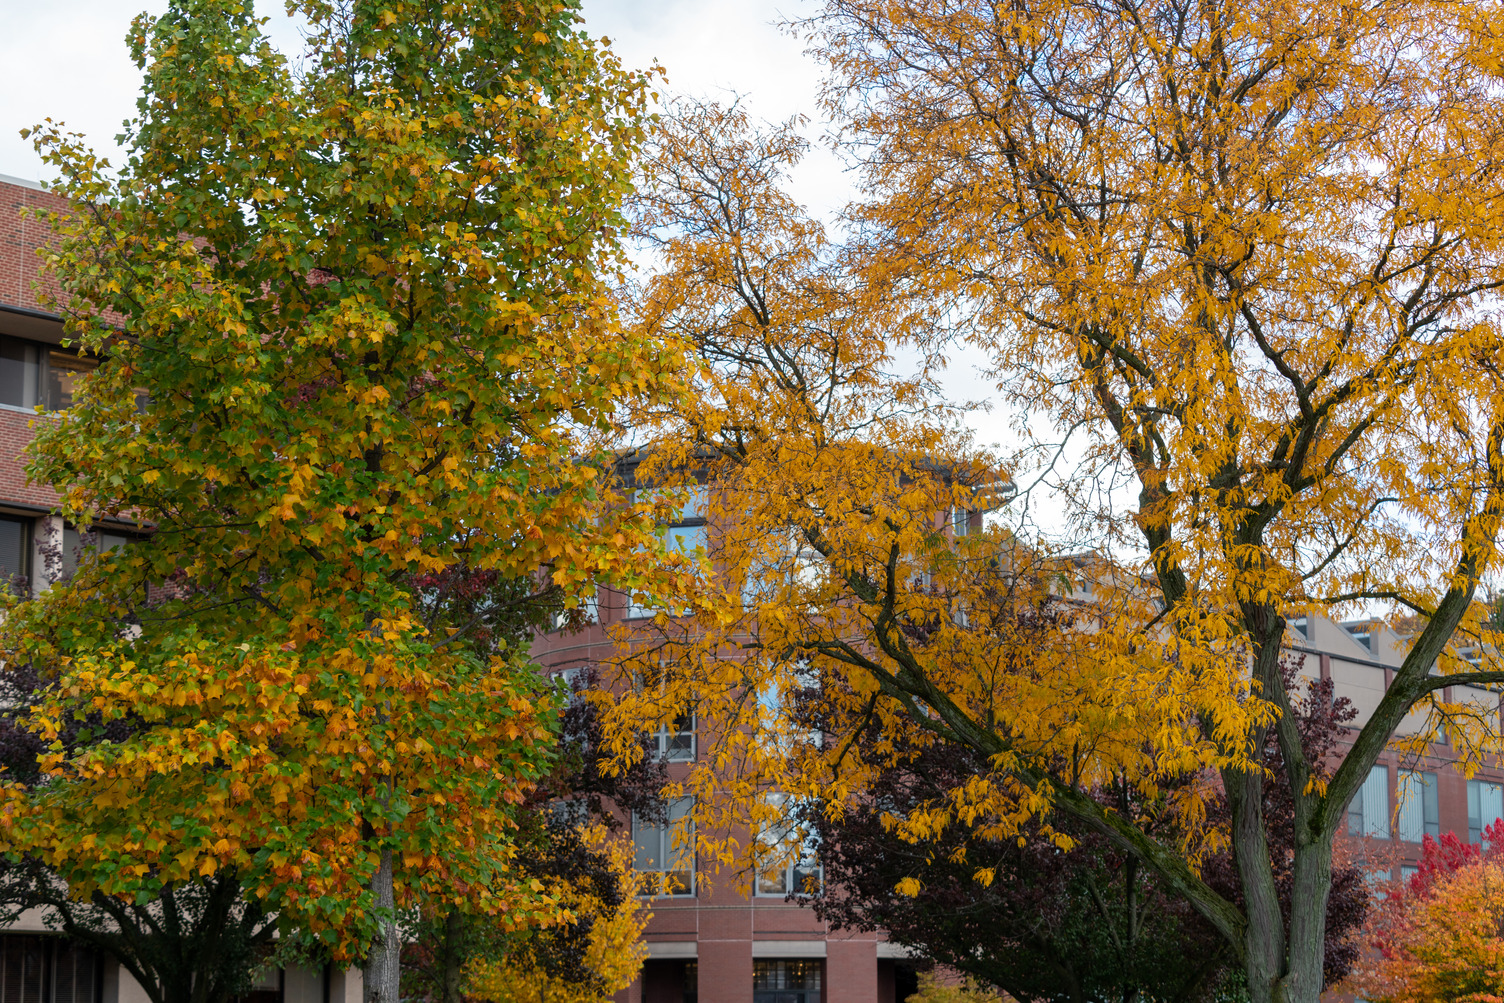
67, 60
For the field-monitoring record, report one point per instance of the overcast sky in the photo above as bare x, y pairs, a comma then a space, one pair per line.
66, 60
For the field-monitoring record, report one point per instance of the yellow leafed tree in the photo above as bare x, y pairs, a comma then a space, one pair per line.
614, 949
1245, 257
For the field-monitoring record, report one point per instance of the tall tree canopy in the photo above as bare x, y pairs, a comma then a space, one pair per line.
1246, 255
359, 355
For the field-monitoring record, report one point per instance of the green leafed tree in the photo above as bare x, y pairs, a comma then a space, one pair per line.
358, 355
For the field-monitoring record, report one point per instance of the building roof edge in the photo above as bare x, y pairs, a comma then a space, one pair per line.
11, 179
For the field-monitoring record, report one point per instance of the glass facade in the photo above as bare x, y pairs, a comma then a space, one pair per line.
786, 981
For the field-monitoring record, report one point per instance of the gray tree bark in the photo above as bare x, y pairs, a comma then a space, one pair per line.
383, 966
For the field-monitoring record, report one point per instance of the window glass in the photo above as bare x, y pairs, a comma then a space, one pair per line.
960, 521
1368, 814
676, 742
63, 371
1485, 806
15, 551
76, 545
20, 373
786, 981
774, 697
46, 969
667, 849
1418, 816
587, 612
788, 854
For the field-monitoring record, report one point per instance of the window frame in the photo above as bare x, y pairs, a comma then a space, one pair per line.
1417, 817
807, 861
668, 846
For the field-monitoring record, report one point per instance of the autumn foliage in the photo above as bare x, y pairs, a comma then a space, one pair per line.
1438, 937
359, 353
1234, 268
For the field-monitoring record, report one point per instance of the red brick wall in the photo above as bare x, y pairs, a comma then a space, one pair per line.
15, 433
19, 240
850, 971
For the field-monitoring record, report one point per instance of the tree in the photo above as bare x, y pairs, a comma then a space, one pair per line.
1244, 254
931, 990
595, 953
1090, 924
566, 838
199, 940
357, 335
1445, 941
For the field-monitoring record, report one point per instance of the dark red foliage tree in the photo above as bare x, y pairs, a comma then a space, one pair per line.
1087, 926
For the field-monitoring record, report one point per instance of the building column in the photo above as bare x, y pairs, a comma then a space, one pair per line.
726, 971
46, 552
850, 971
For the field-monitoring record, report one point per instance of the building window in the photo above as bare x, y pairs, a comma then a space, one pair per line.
960, 521
586, 613
1363, 635
32, 374
676, 742
76, 545
788, 861
786, 562
688, 534
666, 849
1485, 806
1302, 627
20, 373
63, 371
266, 986
15, 553
1419, 816
1368, 813
691, 982
786, 981
41, 969
776, 730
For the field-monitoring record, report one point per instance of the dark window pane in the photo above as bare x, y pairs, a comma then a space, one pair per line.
63, 370
18, 373
15, 540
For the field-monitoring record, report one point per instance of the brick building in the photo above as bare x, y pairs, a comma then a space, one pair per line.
708, 942
36, 546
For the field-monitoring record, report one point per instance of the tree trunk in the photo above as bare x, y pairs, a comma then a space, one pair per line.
1264, 940
1308, 900
454, 954
383, 963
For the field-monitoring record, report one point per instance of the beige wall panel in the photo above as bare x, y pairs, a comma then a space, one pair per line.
1362, 684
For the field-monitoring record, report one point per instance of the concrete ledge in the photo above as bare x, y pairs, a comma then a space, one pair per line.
889, 951
673, 949
788, 948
